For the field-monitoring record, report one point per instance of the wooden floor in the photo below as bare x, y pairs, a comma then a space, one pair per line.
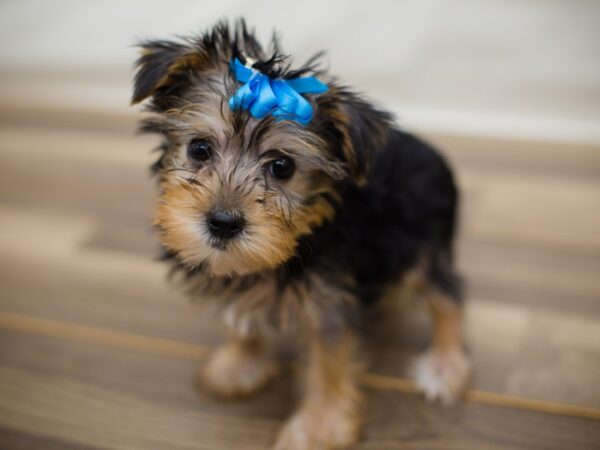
97, 351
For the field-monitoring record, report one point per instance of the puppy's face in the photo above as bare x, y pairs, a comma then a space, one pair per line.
236, 192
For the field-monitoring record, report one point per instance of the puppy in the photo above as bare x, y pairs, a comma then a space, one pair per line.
292, 204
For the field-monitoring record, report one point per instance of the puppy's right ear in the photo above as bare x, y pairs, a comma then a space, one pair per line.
161, 65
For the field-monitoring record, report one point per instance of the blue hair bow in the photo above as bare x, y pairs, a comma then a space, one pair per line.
261, 95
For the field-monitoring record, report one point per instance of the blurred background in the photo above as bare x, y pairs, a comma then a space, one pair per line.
97, 350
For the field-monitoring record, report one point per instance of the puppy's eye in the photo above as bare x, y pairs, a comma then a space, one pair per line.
282, 168
199, 150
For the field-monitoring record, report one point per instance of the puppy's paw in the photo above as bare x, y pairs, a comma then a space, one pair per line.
443, 375
237, 371
319, 428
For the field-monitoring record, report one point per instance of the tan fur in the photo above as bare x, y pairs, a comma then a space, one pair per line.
342, 122
447, 319
258, 302
239, 368
443, 371
180, 214
400, 295
275, 212
262, 311
328, 417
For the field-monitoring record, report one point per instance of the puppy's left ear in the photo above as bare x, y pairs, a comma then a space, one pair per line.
162, 67
358, 129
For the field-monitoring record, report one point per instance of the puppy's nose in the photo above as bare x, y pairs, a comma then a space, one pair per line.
224, 224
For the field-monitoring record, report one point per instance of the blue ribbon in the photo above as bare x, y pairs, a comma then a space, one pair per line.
261, 95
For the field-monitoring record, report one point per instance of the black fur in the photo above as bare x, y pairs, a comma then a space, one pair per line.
153, 66
402, 215
406, 212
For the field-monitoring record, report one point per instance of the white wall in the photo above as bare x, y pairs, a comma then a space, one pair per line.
517, 67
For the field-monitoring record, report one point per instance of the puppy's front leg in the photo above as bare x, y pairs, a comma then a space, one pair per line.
328, 417
240, 367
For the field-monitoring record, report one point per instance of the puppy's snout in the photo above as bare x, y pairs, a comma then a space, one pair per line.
224, 224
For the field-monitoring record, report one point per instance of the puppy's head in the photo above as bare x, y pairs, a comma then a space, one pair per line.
236, 191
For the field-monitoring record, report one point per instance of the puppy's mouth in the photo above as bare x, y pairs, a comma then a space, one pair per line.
222, 244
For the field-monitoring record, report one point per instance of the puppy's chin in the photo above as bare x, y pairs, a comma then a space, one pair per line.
242, 256
249, 254
224, 263
235, 263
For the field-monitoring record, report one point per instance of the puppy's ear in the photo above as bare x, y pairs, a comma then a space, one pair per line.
360, 129
161, 66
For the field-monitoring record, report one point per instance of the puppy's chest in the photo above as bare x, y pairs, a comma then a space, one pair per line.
266, 305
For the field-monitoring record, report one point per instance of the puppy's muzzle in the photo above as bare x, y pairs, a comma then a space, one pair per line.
224, 224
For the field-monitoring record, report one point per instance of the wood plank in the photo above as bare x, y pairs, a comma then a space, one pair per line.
89, 395
112, 293
15, 440
76, 246
528, 273
130, 294
97, 174
535, 209
176, 349
517, 350
33, 113
525, 157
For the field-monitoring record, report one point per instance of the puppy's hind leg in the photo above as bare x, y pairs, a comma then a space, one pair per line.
443, 371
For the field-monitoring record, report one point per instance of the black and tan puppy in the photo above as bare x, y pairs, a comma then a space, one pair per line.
293, 205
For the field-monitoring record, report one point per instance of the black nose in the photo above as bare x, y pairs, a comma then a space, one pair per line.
224, 224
